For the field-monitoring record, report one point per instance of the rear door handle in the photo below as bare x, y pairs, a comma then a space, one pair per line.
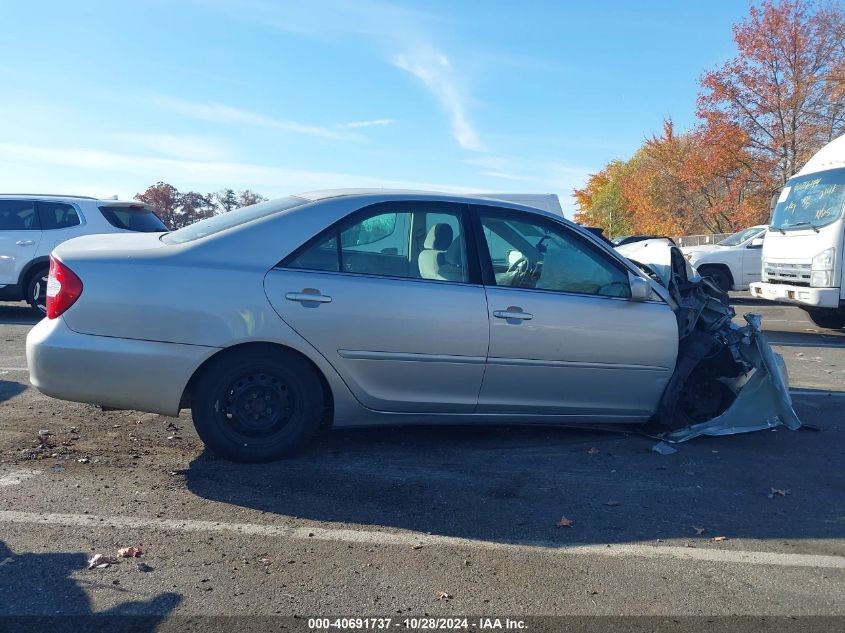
314, 297
25, 242
513, 314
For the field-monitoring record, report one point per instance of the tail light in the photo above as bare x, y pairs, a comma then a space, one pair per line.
63, 288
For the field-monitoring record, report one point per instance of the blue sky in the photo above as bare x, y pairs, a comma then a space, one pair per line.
106, 98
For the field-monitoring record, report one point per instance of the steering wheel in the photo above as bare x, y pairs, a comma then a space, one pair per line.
520, 266
523, 274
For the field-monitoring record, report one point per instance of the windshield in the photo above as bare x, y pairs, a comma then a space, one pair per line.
740, 236
811, 200
228, 220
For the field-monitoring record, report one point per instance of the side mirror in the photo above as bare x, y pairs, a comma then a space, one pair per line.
757, 242
640, 288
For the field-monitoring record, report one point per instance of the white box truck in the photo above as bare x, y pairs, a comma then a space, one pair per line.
803, 259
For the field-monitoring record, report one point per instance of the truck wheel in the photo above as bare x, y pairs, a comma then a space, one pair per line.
718, 276
36, 290
257, 405
829, 318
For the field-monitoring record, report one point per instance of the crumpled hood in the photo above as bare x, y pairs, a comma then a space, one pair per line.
656, 254
727, 379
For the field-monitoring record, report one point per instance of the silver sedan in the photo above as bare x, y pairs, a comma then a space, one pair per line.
383, 307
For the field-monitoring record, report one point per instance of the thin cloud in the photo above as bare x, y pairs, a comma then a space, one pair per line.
435, 71
354, 125
220, 113
269, 179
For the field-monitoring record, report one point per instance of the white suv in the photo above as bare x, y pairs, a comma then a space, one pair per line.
31, 226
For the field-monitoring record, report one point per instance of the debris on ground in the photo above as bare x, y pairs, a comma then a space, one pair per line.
100, 561
83, 460
594, 451
443, 595
135, 551
777, 492
564, 522
416, 546
144, 567
719, 539
663, 448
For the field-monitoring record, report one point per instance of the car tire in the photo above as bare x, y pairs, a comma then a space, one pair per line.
720, 278
36, 290
830, 319
257, 405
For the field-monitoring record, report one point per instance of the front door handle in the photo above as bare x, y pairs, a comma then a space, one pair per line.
308, 296
513, 313
25, 242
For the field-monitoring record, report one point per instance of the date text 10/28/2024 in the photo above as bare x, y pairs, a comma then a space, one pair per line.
417, 624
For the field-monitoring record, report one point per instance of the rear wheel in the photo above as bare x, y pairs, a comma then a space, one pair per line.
830, 318
257, 405
36, 290
719, 276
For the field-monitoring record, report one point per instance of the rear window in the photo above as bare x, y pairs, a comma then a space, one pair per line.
231, 219
138, 219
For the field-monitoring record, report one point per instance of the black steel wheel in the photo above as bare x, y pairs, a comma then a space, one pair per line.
257, 404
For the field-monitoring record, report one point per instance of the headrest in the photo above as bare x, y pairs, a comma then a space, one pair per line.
439, 237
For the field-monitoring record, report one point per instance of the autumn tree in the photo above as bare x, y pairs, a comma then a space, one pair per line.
248, 197
194, 207
785, 89
225, 199
177, 209
600, 203
165, 199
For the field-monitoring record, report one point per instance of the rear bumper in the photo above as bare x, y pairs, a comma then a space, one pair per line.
114, 372
799, 295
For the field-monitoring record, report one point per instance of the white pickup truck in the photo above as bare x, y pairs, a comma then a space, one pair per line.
732, 264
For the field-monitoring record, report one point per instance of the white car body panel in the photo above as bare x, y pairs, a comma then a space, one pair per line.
744, 261
23, 250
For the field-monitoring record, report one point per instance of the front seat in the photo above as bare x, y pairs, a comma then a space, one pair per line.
432, 259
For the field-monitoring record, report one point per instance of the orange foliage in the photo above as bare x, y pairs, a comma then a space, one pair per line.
762, 115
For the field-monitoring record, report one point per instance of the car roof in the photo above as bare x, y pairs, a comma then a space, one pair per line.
52, 197
385, 195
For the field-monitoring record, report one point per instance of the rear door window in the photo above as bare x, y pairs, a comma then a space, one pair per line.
133, 218
18, 215
57, 215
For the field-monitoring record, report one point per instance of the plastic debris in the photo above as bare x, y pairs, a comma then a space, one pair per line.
443, 595
100, 561
564, 522
663, 448
777, 492
719, 539
135, 551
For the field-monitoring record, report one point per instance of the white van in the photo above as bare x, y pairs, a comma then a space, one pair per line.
31, 226
803, 251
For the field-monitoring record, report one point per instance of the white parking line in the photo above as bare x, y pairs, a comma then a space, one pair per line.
742, 557
17, 476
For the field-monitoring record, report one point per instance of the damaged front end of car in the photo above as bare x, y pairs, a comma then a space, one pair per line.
727, 379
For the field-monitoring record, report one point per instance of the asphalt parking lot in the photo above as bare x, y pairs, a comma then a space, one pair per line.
426, 520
